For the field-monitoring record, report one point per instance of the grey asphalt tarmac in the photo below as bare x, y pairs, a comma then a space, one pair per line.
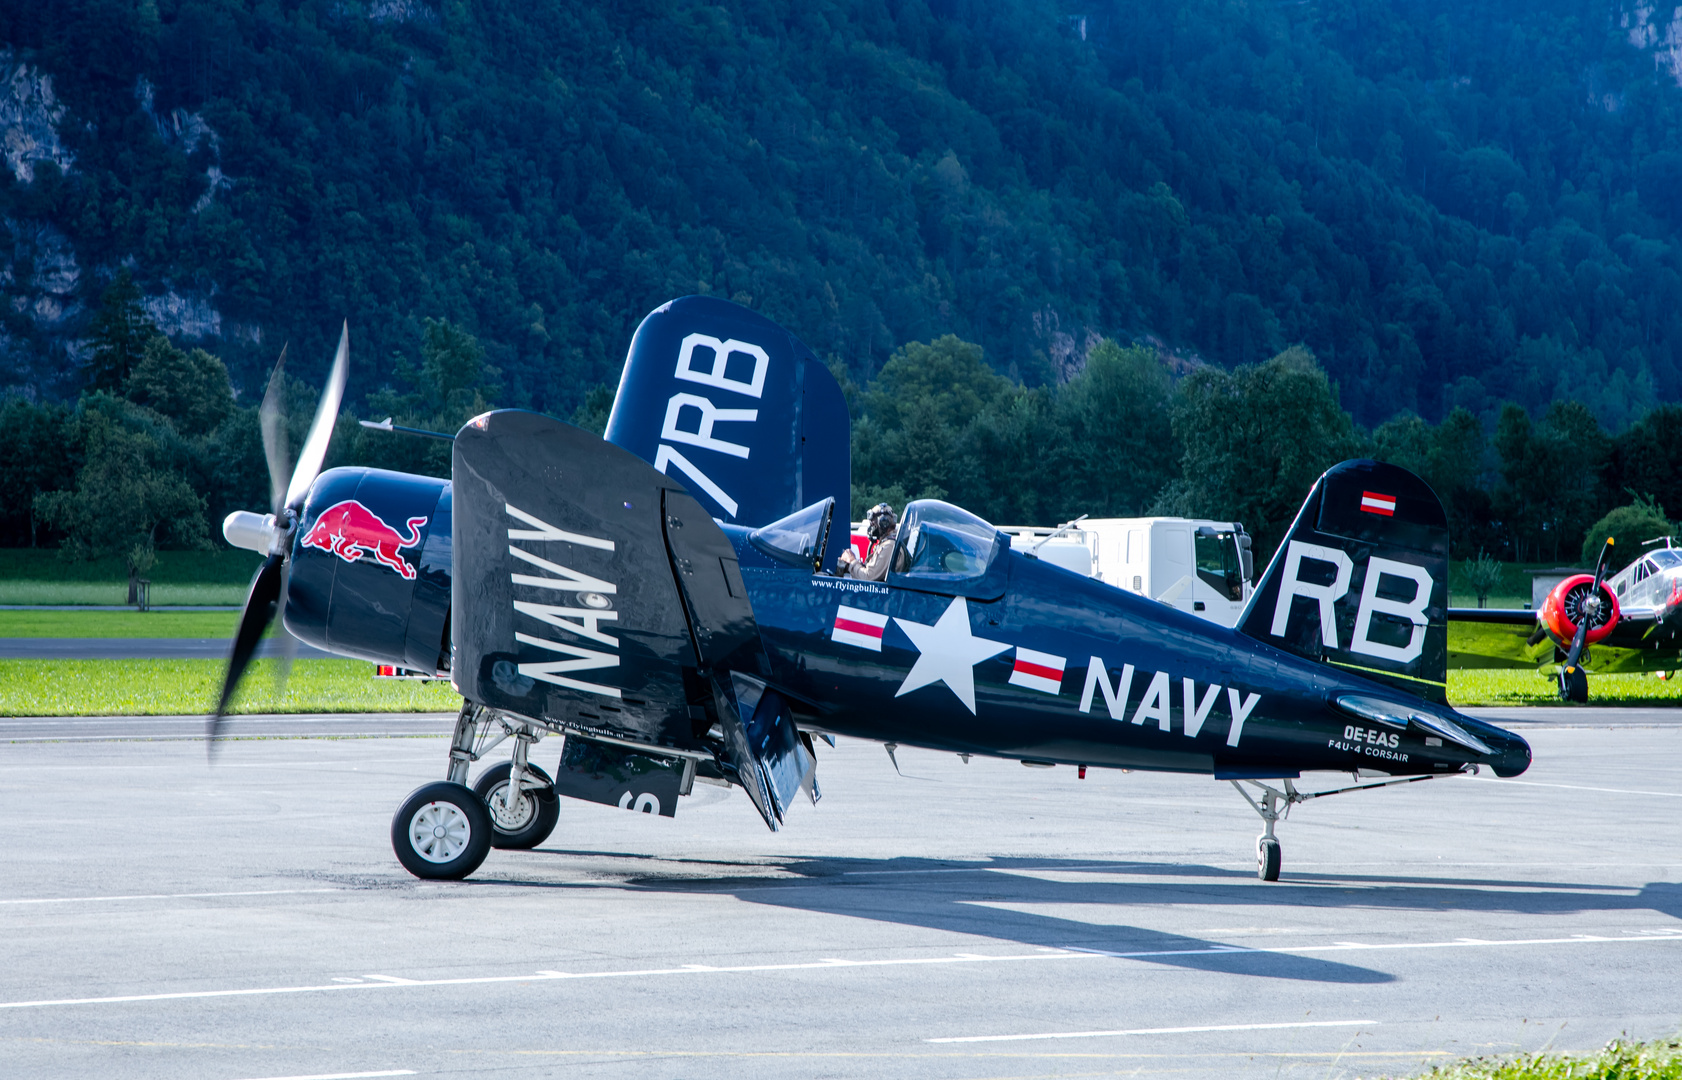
168, 918
44, 648
254, 726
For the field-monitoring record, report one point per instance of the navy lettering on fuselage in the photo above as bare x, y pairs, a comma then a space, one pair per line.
1155, 701
583, 619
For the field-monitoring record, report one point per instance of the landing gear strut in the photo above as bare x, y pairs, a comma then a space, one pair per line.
1269, 855
1573, 684
1276, 804
444, 830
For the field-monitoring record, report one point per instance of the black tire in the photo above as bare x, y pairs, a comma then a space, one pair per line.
1269, 858
1574, 684
442, 832
539, 810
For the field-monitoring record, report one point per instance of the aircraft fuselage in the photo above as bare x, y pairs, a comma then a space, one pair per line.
893, 663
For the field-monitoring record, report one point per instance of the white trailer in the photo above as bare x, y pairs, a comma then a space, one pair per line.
1198, 565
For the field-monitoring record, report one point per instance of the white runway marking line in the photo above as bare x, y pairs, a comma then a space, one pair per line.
300, 718
1069, 953
1577, 787
1153, 1031
342, 1076
169, 896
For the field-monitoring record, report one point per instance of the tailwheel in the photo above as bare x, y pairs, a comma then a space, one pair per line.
1273, 805
442, 831
531, 818
1573, 684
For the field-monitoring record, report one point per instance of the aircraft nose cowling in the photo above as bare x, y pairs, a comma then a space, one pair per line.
370, 571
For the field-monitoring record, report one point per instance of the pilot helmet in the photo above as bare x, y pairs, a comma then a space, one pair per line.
879, 521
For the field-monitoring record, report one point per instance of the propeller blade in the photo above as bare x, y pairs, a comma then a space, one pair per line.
271, 418
1577, 640
260, 605
321, 429
1600, 564
1589, 610
288, 645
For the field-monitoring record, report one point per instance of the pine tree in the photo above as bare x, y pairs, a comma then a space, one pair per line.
119, 335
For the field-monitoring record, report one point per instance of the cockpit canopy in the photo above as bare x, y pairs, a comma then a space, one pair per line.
799, 539
941, 545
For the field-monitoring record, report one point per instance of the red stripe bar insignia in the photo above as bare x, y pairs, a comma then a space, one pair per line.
1374, 503
856, 626
1038, 671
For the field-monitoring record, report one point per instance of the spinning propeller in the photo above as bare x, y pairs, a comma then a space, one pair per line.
271, 534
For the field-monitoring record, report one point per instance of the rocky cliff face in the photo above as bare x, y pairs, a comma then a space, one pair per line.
47, 294
1657, 28
29, 119
40, 277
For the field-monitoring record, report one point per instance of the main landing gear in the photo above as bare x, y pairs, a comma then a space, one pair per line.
1276, 804
1574, 684
444, 830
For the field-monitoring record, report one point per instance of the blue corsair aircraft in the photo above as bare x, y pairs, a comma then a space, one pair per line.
666, 599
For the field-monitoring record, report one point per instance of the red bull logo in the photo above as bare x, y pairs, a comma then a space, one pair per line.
350, 530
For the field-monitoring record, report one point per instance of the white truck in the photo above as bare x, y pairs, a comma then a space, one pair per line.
1200, 566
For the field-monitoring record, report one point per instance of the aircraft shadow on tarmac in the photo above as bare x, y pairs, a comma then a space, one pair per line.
980, 900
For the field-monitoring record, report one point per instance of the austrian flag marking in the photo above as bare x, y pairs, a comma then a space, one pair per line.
1038, 671
1374, 503
856, 626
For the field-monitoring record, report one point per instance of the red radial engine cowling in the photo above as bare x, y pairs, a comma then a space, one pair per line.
1563, 609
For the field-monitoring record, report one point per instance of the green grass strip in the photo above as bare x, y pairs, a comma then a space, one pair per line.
118, 624
1660, 1059
1516, 686
185, 687
30, 591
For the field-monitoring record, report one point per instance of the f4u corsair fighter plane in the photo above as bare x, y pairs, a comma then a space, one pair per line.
665, 598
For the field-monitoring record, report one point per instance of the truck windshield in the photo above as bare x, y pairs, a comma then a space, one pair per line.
1219, 563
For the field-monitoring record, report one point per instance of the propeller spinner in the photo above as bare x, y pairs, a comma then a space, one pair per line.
271, 534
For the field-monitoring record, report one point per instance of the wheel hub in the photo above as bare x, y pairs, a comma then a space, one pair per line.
510, 819
439, 832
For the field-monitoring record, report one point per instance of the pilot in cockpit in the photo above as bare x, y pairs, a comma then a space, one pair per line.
880, 525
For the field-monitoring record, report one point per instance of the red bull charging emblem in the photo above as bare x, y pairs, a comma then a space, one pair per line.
350, 530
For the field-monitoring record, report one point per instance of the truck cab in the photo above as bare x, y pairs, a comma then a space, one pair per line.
1197, 565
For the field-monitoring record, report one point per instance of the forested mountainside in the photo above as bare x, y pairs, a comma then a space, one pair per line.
1448, 204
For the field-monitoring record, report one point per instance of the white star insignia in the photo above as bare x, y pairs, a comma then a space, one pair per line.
948, 653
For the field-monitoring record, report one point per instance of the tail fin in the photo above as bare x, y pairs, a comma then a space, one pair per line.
1361, 580
737, 410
